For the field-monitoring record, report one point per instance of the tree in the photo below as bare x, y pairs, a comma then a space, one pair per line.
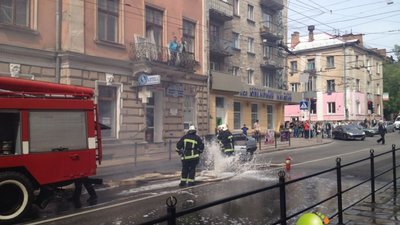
396, 52
391, 84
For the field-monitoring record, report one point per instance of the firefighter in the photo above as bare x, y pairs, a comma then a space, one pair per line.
92, 200
189, 147
226, 139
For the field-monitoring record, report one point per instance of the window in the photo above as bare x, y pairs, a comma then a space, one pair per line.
358, 87
311, 83
107, 103
236, 115
356, 62
270, 116
154, 26
214, 33
313, 106
311, 64
10, 133
266, 20
330, 85
358, 108
268, 80
254, 113
50, 130
189, 33
378, 89
267, 51
235, 41
15, 12
293, 66
250, 12
236, 9
295, 87
107, 24
330, 62
331, 107
235, 71
250, 46
250, 78
219, 102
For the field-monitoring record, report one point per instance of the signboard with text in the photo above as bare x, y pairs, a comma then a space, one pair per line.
144, 79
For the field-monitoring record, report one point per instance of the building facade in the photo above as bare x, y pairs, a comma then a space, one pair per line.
339, 77
247, 63
145, 91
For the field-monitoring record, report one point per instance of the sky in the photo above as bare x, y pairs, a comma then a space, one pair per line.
378, 20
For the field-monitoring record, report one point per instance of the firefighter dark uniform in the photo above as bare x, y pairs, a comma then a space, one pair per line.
226, 139
189, 147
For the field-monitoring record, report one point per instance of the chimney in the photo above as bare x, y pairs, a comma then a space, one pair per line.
295, 39
311, 33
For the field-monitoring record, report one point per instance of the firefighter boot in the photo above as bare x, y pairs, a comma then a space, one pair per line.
182, 184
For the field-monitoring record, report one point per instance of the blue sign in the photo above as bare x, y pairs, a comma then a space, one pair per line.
303, 105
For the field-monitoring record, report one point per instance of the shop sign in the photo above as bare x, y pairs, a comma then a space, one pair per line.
144, 79
267, 94
175, 90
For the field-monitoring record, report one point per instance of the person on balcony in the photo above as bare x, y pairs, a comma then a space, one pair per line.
173, 48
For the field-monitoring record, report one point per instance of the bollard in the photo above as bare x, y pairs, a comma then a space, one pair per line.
289, 139
282, 197
276, 140
135, 156
170, 149
372, 175
394, 168
339, 190
259, 143
171, 210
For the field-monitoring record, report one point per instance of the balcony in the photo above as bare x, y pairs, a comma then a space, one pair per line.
225, 82
273, 4
275, 60
271, 32
220, 10
151, 53
220, 48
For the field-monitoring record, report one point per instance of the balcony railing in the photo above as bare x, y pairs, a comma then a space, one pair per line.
147, 51
221, 10
275, 60
271, 31
220, 47
273, 4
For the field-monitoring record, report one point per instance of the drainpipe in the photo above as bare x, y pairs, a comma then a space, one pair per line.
346, 113
58, 40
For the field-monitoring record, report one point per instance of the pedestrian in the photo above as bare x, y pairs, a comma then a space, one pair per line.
328, 128
256, 128
301, 129
382, 131
226, 140
244, 129
189, 147
76, 197
306, 130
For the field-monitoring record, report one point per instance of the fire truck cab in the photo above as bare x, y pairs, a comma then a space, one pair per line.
49, 136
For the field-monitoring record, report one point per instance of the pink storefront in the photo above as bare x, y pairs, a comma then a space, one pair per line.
330, 107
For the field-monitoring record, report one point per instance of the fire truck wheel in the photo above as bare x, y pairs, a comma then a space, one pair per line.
16, 196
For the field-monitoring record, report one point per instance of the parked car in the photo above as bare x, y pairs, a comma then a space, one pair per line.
371, 131
348, 132
390, 127
397, 123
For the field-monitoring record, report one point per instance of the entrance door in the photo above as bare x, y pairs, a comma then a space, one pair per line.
154, 118
107, 103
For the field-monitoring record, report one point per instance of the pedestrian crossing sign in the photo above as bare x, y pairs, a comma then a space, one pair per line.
303, 105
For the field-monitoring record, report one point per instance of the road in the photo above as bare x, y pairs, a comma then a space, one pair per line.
130, 205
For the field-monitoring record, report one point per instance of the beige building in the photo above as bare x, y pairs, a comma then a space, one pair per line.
339, 75
247, 63
145, 92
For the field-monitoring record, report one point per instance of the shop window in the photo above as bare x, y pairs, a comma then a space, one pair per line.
254, 113
236, 115
270, 116
107, 103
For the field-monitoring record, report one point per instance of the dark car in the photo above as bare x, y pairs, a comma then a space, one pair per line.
245, 146
371, 131
390, 127
348, 132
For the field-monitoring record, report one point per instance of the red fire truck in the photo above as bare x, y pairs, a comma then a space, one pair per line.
49, 137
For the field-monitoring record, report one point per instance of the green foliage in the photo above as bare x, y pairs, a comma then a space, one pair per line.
396, 52
391, 84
